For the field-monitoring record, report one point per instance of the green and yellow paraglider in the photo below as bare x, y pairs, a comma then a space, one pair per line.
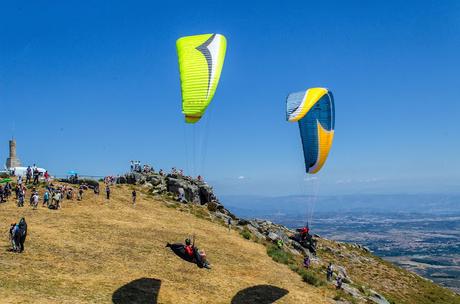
201, 58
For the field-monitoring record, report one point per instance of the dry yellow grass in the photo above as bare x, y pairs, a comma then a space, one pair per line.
87, 250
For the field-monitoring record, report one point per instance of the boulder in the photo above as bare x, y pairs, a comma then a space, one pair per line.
155, 179
342, 271
191, 191
255, 232
298, 247
272, 236
354, 292
121, 180
377, 298
243, 222
206, 193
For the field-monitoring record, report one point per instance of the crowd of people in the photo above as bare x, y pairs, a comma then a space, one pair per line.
53, 196
137, 167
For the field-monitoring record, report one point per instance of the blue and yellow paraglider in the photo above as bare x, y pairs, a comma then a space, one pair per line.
314, 110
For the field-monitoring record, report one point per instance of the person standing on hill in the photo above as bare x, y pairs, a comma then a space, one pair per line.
181, 197
46, 198
16, 237
107, 192
134, 195
329, 272
35, 200
12, 236
2, 193
229, 223
16, 191
22, 233
46, 175
8, 188
21, 195
57, 199
28, 174
36, 175
80, 193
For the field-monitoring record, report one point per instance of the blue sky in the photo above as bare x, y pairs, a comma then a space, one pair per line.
90, 85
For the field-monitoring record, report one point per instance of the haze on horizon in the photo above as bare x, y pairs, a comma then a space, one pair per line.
92, 86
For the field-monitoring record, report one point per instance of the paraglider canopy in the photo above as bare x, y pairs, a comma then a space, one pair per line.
313, 109
201, 58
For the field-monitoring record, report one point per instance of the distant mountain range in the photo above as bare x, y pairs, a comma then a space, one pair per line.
253, 206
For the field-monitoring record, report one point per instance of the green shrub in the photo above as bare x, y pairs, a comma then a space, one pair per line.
311, 278
279, 255
295, 268
246, 234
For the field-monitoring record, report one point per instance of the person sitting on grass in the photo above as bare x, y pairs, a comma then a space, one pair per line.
306, 262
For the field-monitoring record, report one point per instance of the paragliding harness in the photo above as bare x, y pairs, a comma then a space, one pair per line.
304, 238
183, 251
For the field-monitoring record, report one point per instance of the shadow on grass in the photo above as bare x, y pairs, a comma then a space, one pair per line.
138, 291
260, 294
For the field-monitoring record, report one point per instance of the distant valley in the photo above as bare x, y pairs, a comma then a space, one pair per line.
418, 232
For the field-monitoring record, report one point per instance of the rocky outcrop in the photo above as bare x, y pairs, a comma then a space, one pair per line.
194, 191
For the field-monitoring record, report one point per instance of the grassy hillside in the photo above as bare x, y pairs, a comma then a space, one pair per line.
98, 251
396, 284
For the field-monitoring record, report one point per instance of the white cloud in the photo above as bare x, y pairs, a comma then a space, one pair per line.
241, 177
